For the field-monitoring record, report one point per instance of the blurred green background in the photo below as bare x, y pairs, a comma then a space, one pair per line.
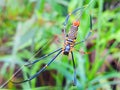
30, 29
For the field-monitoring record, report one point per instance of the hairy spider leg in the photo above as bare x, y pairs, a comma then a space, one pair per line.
41, 58
74, 67
35, 75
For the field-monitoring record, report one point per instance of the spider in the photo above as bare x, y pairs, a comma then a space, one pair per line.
69, 43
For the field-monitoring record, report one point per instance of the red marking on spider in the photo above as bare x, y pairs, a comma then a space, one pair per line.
76, 23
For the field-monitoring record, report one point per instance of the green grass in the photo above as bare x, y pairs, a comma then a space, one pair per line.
31, 26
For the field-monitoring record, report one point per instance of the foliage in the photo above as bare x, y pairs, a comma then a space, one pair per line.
30, 29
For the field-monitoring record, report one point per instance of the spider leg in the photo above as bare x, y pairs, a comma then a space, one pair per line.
31, 63
67, 17
74, 66
89, 33
35, 75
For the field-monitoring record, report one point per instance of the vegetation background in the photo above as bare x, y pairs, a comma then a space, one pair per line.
33, 28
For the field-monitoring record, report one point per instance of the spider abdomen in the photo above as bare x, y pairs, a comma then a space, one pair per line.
70, 40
